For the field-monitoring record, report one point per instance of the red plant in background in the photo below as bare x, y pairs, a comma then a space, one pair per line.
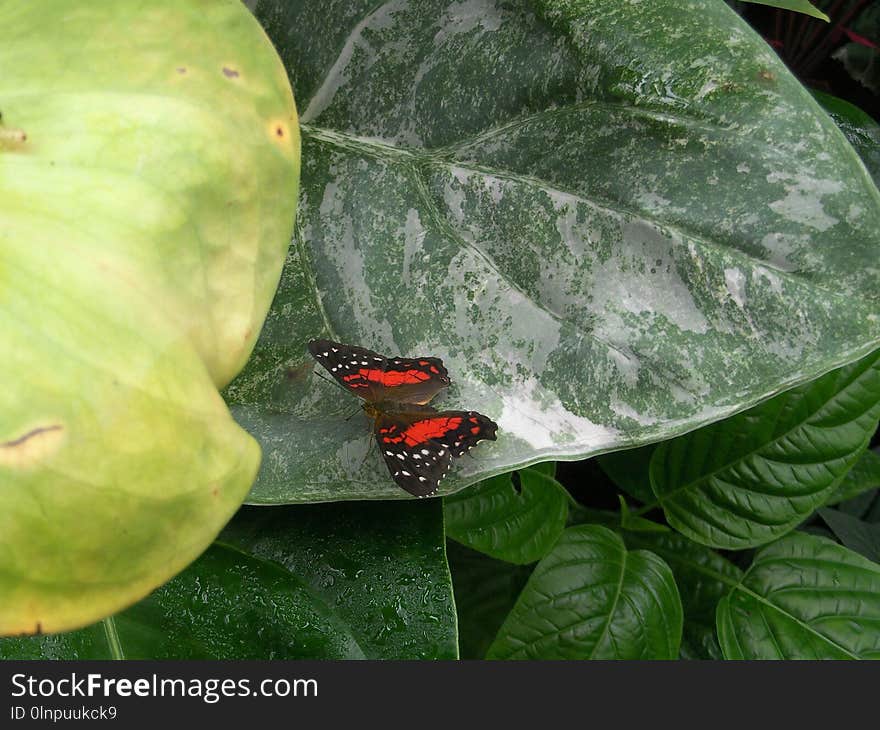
805, 43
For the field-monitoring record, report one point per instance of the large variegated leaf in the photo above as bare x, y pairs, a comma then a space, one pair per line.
610, 234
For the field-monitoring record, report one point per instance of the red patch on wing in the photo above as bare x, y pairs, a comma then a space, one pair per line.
388, 379
430, 428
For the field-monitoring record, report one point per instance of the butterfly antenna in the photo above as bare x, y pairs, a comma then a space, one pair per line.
331, 381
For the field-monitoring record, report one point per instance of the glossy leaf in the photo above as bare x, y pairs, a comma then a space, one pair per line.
703, 577
799, 6
590, 598
859, 536
862, 477
226, 605
751, 478
610, 235
516, 518
632, 522
485, 591
860, 129
804, 597
380, 567
630, 470
149, 155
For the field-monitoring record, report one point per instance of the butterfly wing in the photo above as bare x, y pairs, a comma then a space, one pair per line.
419, 447
376, 378
470, 428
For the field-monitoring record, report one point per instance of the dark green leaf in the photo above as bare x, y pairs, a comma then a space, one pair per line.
862, 477
749, 479
630, 471
380, 566
635, 523
862, 132
799, 6
859, 536
703, 577
226, 605
609, 234
485, 591
804, 597
547, 468
512, 518
592, 599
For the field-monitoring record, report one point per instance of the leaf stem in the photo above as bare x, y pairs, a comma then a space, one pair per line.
113, 641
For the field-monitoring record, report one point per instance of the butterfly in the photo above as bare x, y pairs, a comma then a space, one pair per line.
417, 441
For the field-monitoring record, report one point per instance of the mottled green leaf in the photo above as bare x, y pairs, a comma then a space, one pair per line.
149, 156
485, 591
804, 597
226, 605
859, 536
610, 234
380, 567
751, 478
703, 577
800, 6
513, 517
590, 598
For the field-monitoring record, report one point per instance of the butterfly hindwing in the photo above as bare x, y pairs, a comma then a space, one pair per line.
469, 429
376, 378
419, 447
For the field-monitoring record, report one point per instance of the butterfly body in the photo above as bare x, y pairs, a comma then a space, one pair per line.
417, 442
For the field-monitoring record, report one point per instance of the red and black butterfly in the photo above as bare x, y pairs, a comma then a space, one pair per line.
417, 441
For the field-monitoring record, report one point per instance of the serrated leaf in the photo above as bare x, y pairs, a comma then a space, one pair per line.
753, 477
804, 597
381, 567
703, 577
592, 599
513, 518
862, 477
859, 536
609, 234
226, 605
485, 591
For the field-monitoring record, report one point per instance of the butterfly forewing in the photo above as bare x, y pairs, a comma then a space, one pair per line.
376, 378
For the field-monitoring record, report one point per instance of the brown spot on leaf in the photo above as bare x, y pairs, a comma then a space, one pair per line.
279, 130
181, 69
11, 135
31, 446
230, 73
766, 75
